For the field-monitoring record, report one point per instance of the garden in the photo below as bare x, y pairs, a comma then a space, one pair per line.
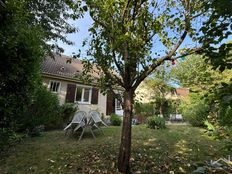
176, 149
159, 45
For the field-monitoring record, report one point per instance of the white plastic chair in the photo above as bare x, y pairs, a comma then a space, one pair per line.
77, 121
95, 118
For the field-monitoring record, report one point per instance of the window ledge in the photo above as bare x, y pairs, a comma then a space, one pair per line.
83, 103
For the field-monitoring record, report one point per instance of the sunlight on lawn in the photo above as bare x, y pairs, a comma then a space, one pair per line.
153, 151
149, 142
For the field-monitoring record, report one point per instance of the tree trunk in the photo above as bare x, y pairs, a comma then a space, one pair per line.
125, 147
161, 110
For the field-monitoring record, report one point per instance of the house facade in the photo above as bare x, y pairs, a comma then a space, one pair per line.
145, 94
60, 75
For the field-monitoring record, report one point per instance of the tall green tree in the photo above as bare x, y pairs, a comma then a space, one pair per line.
20, 56
197, 74
25, 29
212, 90
122, 46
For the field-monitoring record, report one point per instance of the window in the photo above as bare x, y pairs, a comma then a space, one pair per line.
118, 105
86, 95
78, 94
54, 86
83, 94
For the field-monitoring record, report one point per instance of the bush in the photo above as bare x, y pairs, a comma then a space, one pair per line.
225, 114
145, 109
44, 110
7, 138
115, 120
67, 111
156, 122
195, 110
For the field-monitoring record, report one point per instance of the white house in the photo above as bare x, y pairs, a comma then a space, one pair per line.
60, 74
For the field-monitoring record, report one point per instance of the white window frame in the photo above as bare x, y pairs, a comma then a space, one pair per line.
54, 81
82, 94
118, 107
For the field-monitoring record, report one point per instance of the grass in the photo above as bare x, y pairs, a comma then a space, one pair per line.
177, 148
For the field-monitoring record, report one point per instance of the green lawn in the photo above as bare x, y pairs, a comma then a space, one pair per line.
177, 148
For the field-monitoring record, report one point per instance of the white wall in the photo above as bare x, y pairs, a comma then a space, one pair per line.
101, 106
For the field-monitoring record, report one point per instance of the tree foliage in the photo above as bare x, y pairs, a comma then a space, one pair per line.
195, 109
122, 45
159, 87
215, 29
25, 29
220, 99
20, 57
212, 88
198, 75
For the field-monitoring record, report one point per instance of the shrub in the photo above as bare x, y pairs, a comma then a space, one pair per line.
195, 110
67, 111
156, 122
44, 110
144, 108
115, 120
7, 138
209, 126
225, 115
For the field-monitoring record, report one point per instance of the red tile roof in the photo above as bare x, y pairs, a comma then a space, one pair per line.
182, 91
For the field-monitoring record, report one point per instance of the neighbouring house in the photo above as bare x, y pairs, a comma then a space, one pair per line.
145, 95
60, 75
178, 93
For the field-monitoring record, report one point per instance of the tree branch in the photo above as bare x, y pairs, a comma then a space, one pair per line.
117, 64
150, 37
170, 54
147, 71
136, 8
124, 10
117, 96
113, 77
195, 16
193, 51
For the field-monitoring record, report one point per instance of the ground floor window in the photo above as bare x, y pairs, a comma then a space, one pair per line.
83, 94
118, 105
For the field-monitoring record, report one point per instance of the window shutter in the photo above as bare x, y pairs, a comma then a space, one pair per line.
94, 99
110, 105
70, 95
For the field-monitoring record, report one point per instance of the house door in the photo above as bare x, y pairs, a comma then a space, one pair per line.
110, 104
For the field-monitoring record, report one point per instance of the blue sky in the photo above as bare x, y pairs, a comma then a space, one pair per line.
83, 25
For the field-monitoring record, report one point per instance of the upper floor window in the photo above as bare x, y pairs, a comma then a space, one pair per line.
83, 94
54, 86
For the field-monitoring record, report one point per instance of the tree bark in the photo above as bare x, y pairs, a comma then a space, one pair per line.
161, 110
125, 147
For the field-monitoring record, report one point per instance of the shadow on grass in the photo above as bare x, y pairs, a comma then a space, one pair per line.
177, 149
